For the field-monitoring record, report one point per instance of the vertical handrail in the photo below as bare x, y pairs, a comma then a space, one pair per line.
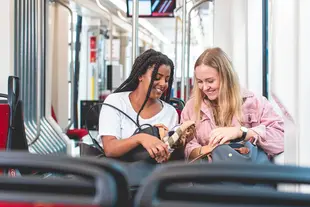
31, 65
71, 65
37, 54
188, 44
30, 93
175, 86
17, 34
265, 47
25, 66
135, 28
110, 26
77, 67
22, 57
183, 49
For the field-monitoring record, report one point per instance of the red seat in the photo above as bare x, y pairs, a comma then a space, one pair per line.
4, 124
12, 130
76, 134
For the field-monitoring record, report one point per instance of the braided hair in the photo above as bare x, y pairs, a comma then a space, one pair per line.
141, 65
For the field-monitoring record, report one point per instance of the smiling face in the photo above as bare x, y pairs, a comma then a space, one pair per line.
208, 81
160, 84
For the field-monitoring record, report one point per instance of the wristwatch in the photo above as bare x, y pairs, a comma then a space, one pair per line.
244, 133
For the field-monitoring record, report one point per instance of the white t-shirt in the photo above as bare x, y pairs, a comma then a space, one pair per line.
114, 123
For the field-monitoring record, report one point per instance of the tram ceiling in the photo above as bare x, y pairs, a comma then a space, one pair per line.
90, 8
151, 28
200, 19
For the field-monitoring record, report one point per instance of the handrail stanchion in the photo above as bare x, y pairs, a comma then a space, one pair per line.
110, 27
183, 49
135, 28
189, 44
71, 66
175, 86
38, 28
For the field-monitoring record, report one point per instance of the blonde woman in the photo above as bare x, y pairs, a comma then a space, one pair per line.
223, 111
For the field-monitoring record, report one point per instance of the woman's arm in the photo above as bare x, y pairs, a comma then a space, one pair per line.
270, 132
223, 135
114, 147
110, 133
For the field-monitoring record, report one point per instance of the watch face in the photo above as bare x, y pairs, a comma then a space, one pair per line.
244, 129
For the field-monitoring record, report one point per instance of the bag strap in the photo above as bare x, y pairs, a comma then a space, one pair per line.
122, 113
105, 104
138, 126
242, 150
201, 156
94, 140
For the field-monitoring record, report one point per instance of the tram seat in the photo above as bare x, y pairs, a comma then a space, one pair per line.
78, 183
103, 96
179, 114
184, 185
4, 121
178, 104
76, 134
12, 129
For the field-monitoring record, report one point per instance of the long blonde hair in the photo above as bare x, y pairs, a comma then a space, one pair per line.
229, 100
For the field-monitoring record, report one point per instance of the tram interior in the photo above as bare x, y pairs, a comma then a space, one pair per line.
62, 58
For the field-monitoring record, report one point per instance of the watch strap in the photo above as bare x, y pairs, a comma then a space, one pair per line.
242, 137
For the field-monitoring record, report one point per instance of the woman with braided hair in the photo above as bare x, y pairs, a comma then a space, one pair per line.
143, 98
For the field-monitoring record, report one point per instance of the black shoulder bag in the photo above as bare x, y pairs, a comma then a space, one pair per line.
136, 154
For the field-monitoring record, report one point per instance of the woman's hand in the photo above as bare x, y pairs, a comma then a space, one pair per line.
162, 129
222, 135
155, 147
162, 126
162, 159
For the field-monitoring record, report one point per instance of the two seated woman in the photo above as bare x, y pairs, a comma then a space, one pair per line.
219, 109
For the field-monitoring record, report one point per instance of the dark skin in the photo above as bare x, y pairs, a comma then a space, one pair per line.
155, 147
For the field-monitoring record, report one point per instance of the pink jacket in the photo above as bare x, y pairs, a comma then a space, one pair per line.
258, 115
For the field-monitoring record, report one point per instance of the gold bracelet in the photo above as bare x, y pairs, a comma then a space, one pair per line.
200, 150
